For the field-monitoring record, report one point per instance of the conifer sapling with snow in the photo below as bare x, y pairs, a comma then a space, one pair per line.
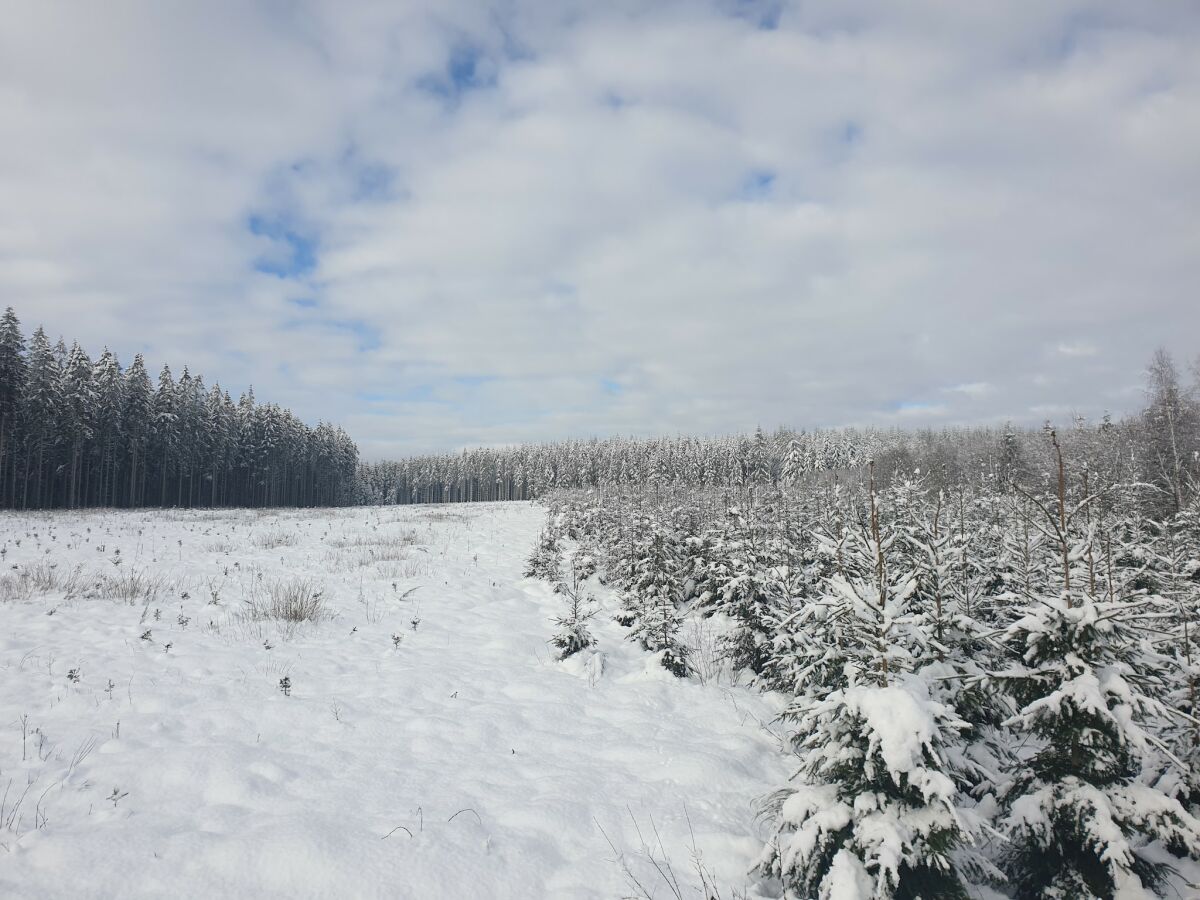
1080, 810
573, 634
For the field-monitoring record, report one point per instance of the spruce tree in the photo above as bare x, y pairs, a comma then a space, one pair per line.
41, 413
882, 764
13, 371
1079, 805
652, 602
573, 634
135, 426
1079, 810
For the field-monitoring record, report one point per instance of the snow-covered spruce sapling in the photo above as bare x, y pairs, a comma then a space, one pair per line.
654, 595
1177, 552
652, 568
545, 562
1079, 810
583, 562
876, 813
573, 634
1080, 806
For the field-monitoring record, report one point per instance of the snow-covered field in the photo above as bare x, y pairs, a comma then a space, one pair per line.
424, 743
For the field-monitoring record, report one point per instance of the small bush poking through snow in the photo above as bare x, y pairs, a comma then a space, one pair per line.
276, 537
39, 579
133, 586
290, 601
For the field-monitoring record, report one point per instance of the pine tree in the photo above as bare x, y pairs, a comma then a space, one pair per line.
77, 434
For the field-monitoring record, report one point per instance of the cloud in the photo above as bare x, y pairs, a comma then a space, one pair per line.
970, 389
1077, 348
540, 220
909, 409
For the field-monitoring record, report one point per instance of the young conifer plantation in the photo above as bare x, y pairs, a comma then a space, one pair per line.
81, 433
986, 639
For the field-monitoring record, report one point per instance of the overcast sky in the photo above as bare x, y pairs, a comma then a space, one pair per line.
448, 224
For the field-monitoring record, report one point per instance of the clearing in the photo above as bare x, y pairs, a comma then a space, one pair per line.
164, 732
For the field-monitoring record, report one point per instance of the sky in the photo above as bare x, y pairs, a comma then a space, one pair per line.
448, 224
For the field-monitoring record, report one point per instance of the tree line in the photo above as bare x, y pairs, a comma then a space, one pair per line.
76, 432
1157, 447
529, 471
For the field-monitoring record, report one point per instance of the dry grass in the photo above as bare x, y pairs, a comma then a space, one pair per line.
709, 664
443, 515
297, 600
130, 587
274, 538
407, 537
399, 571
40, 579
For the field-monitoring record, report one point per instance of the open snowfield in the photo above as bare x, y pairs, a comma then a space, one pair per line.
427, 745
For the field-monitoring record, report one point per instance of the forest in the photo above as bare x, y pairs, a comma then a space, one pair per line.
987, 639
81, 433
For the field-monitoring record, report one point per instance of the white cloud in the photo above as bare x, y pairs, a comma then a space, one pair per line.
1077, 348
970, 389
725, 225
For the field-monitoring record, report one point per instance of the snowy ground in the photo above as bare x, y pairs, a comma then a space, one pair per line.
429, 747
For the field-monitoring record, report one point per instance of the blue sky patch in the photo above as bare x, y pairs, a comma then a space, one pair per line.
368, 336
294, 254
466, 69
763, 14
758, 184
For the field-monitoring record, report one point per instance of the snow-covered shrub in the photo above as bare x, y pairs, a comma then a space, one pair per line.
545, 562
583, 562
1079, 810
573, 634
650, 604
875, 816
658, 631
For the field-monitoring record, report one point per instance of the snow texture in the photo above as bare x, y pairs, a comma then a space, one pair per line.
159, 736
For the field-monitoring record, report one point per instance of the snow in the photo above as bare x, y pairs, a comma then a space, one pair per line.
902, 726
429, 746
848, 879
